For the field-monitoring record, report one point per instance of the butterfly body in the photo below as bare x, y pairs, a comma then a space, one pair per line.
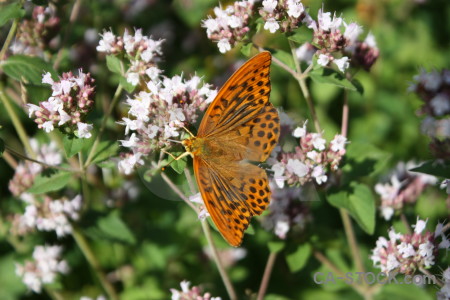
240, 126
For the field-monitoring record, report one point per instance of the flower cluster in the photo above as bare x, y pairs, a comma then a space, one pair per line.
230, 24
142, 52
188, 293
26, 172
286, 212
47, 264
444, 292
404, 187
72, 98
329, 37
48, 215
311, 159
433, 89
282, 15
406, 253
158, 115
34, 35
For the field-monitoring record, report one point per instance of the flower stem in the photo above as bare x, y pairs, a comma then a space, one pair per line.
345, 113
302, 83
223, 274
93, 262
17, 123
207, 231
103, 125
429, 275
11, 33
266, 276
349, 232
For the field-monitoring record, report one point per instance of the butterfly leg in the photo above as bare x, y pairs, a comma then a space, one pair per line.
175, 157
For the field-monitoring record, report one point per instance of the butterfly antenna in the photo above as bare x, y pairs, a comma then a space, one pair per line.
190, 133
175, 141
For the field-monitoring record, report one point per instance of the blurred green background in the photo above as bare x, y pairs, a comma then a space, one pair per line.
167, 244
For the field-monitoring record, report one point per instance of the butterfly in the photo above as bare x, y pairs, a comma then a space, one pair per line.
239, 127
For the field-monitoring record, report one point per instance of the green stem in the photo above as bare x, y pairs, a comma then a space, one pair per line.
302, 83
103, 125
12, 32
266, 276
223, 274
16, 122
94, 263
356, 254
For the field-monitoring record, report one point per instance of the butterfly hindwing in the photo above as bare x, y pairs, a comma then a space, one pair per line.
232, 192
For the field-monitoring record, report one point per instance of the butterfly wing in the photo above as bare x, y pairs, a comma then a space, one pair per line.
241, 97
233, 192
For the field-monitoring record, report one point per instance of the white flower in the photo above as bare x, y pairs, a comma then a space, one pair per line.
32, 109
295, 8
66, 86
281, 229
185, 286
426, 249
420, 226
84, 130
271, 25
152, 131
342, 63
391, 263
224, 45
170, 131
387, 212
300, 132
132, 142
323, 60
105, 44
305, 52
338, 143
278, 170
177, 115
370, 40
127, 164
327, 23
317, 141
269, 5
64, 117
153, 72
133, 78
297, 167
48, 126
319, 173
47, 78
440, 104
211, 25
234, 22
406, 249
394, 236
352, 32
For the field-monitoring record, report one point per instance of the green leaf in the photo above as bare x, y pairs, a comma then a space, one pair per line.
285, 58
436, 168
276, 246
11, 11
330, 76
364, 159
37, 93
30, 69
301, 35
113, 228
359, 202
72, 145
126, 85
114, 64
178, 165
2, 147
297, 259
246, 49
44, 183
105, 150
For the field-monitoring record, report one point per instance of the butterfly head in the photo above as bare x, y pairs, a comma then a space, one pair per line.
193, 145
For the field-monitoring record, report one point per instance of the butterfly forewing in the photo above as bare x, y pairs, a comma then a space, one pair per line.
241, 97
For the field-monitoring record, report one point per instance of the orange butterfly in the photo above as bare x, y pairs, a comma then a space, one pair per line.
240, 125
